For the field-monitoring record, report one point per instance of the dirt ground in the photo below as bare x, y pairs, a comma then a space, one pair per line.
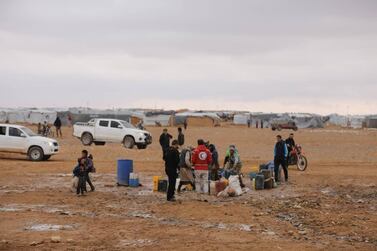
331, 206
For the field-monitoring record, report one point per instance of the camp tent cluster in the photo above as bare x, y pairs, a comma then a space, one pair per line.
178, 118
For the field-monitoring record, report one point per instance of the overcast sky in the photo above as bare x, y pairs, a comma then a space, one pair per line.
282, 55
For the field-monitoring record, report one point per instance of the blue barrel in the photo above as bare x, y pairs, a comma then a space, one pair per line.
125, 167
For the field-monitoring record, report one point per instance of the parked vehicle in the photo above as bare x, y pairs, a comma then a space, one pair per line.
297, 157
100, 131
20, 139
279, 125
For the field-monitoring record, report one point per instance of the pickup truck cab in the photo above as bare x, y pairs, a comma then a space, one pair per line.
20, 139
99, 131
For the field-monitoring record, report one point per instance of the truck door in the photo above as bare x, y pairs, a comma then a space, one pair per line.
102, 130
17, 139
116, 131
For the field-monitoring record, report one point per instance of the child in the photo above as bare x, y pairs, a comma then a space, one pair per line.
81, 174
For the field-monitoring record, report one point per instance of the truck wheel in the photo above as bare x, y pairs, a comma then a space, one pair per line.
87, 139
46, 157
141, 147
36, 153
128, 142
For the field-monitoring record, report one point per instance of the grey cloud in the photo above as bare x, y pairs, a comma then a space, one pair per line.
306, 52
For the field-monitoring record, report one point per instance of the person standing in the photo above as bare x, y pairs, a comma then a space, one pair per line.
201, 159
45, 129
214, 166
89, 168
185, 124
40, 129
280, 158
171, 168
185, 169
181, 137
261, 124
290, 142
248, 123
80, 173
256, 124
58, 125
165, 141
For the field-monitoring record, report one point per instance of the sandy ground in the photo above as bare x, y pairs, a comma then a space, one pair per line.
330, 206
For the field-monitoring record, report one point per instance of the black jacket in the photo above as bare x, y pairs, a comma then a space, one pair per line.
281, 150
58, 122
181, 139
290, 143
165, 140
171, 161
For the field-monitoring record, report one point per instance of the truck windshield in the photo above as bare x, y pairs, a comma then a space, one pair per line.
127, 125
28, 131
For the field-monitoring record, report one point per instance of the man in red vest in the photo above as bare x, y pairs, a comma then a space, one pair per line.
201, 158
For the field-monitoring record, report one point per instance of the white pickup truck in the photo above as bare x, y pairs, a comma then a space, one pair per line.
20, 139
99, 131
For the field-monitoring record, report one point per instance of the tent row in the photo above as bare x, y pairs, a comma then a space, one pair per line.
171, 118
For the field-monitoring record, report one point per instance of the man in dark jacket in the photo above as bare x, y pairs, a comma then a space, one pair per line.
181, 137
165, 141
290, 142
214, 166
280, 158
58, 125
171, 168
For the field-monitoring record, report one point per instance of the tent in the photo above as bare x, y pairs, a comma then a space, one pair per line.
17, 116
241, 119
163, 120
40, 116
197, 119
353, 121
371, 122
3, 116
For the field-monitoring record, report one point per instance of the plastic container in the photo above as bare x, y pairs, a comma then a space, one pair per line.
220, 186
124, 168
134, 180
259, 182
155, 182
162, 185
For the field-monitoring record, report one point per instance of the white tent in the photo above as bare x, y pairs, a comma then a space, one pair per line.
241, 119
162, 119
16, 116
40, 116
3, 116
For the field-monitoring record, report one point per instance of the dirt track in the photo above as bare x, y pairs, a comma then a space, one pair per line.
330, 206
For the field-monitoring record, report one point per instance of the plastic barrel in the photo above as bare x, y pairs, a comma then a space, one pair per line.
125, 167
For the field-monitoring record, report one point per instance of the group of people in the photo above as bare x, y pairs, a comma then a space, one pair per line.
81, 173
195, 166
45, 129
282, 150
250, 122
